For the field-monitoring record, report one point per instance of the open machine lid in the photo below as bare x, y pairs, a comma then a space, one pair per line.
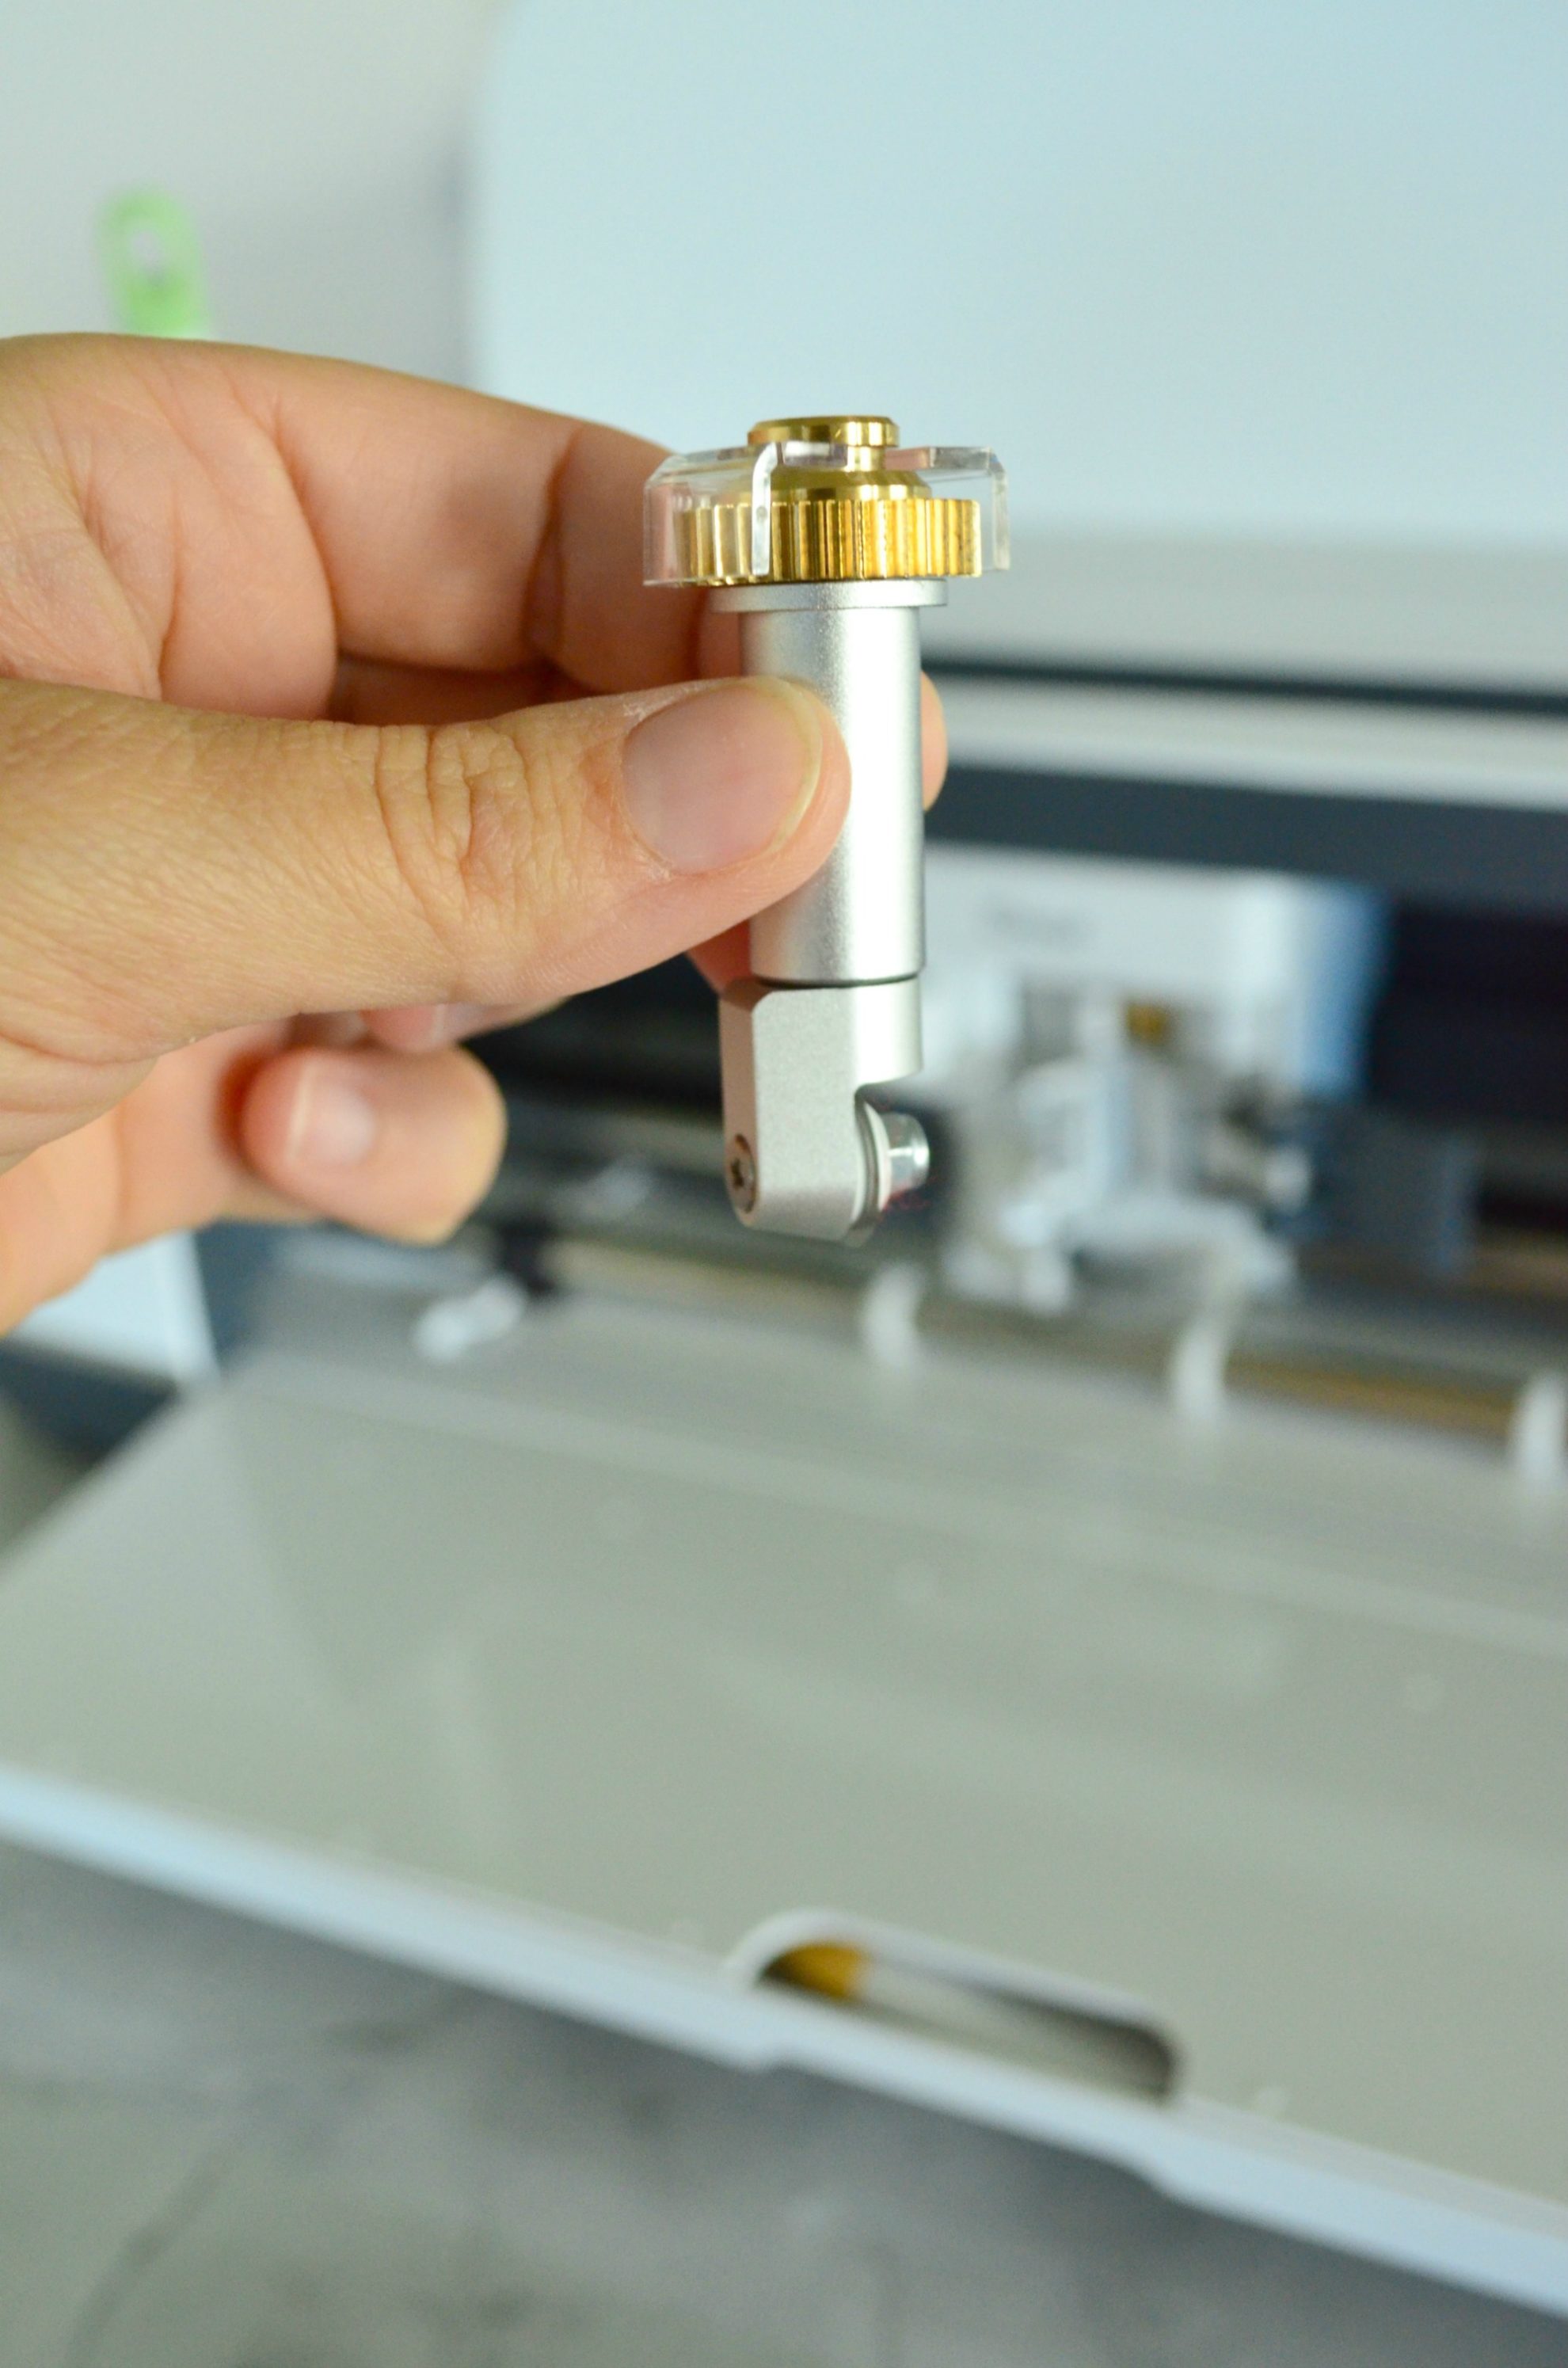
643, 1646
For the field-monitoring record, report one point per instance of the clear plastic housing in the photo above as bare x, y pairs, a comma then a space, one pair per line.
737, 480
965, 472
709, 516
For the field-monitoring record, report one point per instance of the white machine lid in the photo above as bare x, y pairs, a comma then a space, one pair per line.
643, 1645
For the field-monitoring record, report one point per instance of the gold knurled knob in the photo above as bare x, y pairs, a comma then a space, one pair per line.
853, 520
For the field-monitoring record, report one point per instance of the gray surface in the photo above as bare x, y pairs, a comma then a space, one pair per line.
225, 2147
35, 1472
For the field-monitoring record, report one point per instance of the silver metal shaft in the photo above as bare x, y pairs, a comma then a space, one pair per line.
831, 1008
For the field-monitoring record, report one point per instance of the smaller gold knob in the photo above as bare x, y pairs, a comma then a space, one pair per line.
867, 435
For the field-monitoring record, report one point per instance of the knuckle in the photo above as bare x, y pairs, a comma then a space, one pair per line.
460, 809
503, 836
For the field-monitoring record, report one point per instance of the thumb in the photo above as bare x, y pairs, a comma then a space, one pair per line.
168, 874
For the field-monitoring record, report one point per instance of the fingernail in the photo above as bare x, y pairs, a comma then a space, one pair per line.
453, 1021
424, 1028
334, 1123
722, 774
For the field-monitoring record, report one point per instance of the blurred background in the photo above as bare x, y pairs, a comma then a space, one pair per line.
1247, 1249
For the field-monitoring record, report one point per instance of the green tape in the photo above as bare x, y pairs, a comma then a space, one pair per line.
153, 264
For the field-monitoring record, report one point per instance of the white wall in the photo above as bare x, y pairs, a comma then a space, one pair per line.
318, 142
1190, 264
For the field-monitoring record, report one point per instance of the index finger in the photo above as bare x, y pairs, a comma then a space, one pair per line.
458, 531
267, 515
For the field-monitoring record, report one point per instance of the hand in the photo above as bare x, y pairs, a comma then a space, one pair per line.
328, 693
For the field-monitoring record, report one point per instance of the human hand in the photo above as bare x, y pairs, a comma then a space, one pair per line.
336, 723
